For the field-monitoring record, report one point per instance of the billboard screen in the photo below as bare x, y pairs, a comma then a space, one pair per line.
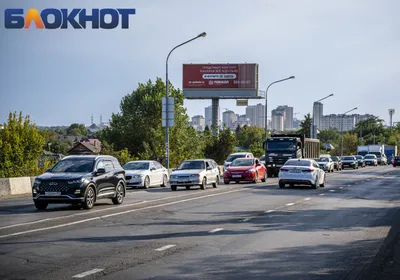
204, 81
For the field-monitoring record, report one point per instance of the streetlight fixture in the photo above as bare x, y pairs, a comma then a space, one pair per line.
166, 96
266, 110
313, 134
341, 129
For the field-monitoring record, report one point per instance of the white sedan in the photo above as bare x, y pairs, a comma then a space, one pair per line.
145, 173
301, 172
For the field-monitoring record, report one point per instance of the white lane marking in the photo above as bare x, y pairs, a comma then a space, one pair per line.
215, 230
349, 185
341, 188
246, 220
269, 211
119, 213
307, 198
289, 204
74, 215
332, 190
166, 247
93, 211
87, 273
321, 194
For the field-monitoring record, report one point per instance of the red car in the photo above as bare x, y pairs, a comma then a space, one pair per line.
245, 169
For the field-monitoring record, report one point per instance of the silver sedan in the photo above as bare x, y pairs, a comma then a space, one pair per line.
145, 173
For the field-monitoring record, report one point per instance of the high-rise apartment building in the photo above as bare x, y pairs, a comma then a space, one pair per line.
229, 118
288, 116
198, 122
278, 120
256, 115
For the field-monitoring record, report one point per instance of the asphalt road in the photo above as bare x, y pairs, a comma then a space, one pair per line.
253, 231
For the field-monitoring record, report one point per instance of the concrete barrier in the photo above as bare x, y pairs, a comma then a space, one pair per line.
16, 186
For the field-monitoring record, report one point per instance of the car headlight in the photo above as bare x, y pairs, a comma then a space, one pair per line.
250, 170
37, 182
138, 176
195, 175
78, 181
173, 177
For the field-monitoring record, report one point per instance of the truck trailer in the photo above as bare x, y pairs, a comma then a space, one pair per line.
390, 152
281, 147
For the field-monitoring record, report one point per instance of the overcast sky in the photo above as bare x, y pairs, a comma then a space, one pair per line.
349, 48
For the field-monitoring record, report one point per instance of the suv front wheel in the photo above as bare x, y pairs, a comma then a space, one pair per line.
90, 198
41, 205
120, 194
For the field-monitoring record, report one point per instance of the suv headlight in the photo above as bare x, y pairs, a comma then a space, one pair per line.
37, 182
78, 181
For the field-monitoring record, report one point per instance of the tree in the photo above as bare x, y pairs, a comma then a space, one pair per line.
329, 137
221, 146
137, 126
77, 129
21, 146
248, 135
305, 126
350, 143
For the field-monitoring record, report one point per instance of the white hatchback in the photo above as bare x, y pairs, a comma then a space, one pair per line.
301, 172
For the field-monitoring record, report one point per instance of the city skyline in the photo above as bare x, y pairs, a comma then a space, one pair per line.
357, 66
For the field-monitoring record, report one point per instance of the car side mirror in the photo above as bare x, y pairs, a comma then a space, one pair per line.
100, 171
258, 164
153, 169
48, 170
209, 168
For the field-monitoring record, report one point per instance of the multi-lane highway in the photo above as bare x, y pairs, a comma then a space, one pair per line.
237, 231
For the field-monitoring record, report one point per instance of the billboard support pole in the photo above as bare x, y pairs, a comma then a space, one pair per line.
215, 115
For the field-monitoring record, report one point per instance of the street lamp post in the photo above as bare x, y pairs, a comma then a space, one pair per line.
166, 97
341, 129
266, 98
313, 133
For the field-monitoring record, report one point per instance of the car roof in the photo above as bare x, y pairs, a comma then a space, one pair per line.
141, 161
240, 153
301, 159
94, 157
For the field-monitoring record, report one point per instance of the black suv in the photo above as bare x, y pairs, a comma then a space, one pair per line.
396, 161
80, 180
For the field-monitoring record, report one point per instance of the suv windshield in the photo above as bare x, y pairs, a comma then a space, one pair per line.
323, 159
242, 162
335, 158
369, 157
233, 157
191, 165
297, 163
281, 145
136, 166
74, 165
348, 158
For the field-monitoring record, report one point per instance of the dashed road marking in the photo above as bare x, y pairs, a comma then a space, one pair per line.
307, 198
321, 194
246, 220
341, 188
269, 211
289, 204
215, 230
87, 273
332, 190
163, 248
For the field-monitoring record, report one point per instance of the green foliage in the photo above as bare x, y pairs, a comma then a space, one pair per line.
257, 149
221, 146
305, 125
123, 155
249, 135
77, 130
138, 126
21, 146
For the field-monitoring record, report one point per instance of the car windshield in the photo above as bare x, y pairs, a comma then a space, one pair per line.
348, 158
262, 158
242, 162
191, 165
74, 165
297, 163
136, 166
281, 145
369, 157
324, 159
335, 158
233, 157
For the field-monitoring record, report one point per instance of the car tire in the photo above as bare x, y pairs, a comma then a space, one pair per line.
203, 185
187, 187
264, 179
41, 205
226, 182
281, 185
173, 188
146, 183
90, 198
316, 185
215, 185
165, 181
120, 194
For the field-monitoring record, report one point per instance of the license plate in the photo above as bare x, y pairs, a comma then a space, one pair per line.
52, 193
296, 171
236, 176
183, 181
